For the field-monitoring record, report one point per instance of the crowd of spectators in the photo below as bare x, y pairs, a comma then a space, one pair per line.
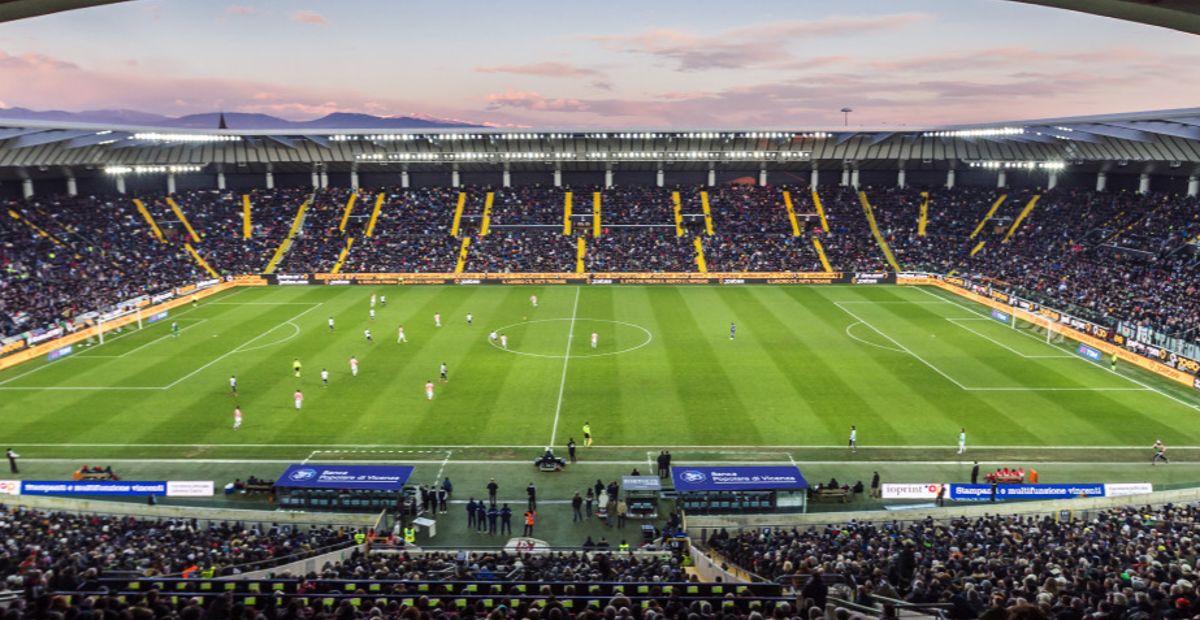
58, 550
528, 250
1121, 563
1108, 257
503, 566
102, 252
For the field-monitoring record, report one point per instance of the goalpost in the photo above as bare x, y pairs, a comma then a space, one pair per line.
1038, 327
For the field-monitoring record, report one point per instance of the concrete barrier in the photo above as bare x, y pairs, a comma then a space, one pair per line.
699, 525
202, 514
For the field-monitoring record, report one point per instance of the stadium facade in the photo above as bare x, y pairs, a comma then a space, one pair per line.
1150, 151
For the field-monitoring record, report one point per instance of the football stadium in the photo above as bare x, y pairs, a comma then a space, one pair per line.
714, 356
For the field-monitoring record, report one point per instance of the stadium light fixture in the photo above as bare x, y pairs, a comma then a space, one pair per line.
120, 170
154, 136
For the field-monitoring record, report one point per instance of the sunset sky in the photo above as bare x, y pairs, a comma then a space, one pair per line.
620, 63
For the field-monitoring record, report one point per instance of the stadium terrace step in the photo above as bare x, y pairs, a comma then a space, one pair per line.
708, 220
337, 267
821, 255
247, 227
596, 214
923, 218
183, 219
701, 266
346, 214
462, 255
141, 207
820, 210
375, 214
567, 199
200, 260
678, 208
580, 255
20, 218
286, 245
791, 212
458, 211
1021, 218
485, 225
988, 216
883, 244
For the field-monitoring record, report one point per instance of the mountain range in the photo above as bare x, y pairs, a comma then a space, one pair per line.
234, 120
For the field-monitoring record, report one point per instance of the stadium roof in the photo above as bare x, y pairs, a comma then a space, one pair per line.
1181, 15
19, 9
1162, 140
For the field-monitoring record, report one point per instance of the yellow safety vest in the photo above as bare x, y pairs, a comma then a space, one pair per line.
359, 538
410, 535
624, 546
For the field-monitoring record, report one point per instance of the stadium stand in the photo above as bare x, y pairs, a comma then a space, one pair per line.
1121, 563
1107, 257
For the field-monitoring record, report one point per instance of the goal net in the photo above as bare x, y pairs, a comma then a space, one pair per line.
1039, 327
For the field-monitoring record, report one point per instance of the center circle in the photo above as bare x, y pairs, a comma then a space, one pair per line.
604, 336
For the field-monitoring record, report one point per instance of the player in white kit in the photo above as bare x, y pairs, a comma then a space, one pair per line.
400, 336
331, 324
324, 377
354, 366
962, 440
595, 339
372, 300
492, 336
372, 313
437, 319
233, 385
469, 318
442, 370
383, 300
503, 341
533, 300
299, 398
367, 334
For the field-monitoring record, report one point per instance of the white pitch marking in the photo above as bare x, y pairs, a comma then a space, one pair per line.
562, 384
868, 342
906, 349
238, 349
955, 321
1147, 386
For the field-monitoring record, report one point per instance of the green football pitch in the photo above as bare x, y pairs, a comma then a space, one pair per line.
908, 366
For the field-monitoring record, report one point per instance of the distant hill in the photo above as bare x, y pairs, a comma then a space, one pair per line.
234, 120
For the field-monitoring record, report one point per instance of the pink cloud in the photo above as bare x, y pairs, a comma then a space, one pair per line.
241, 11
310, 17
34, 61
533, 101
542, 69
759, 44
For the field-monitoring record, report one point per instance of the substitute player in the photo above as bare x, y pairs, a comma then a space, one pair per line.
437, 319
324, 378
237, 418
853, 438
587, 434
595, 339
353, 366
299, 398
443, 371
331, 325
400, 337
233, 384
962, 440
296, 367
429, 390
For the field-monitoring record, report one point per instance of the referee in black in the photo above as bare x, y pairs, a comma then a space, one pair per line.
12, 461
